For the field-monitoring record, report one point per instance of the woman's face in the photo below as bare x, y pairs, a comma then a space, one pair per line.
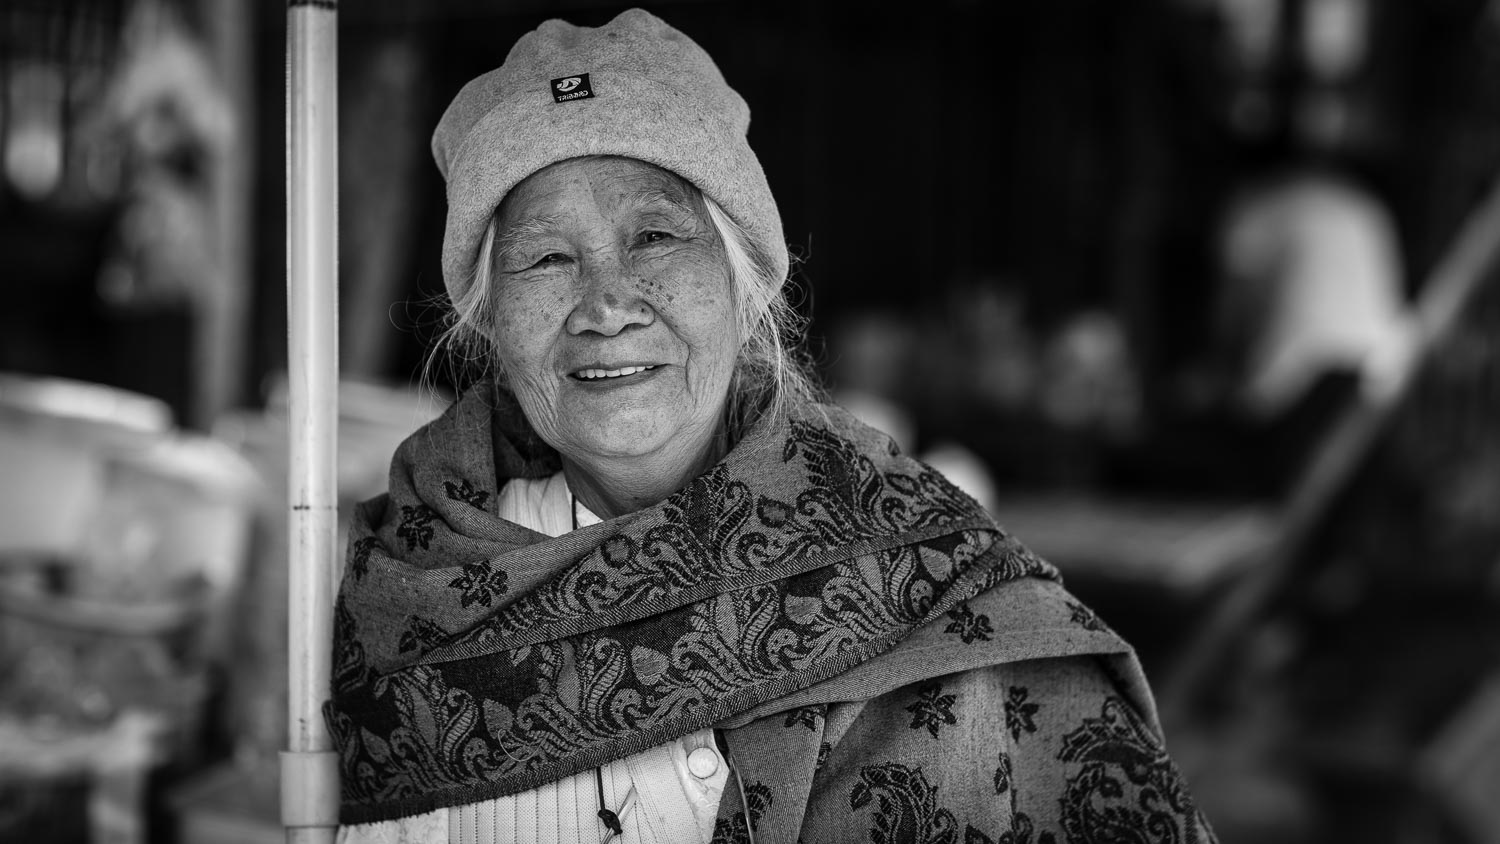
615, 326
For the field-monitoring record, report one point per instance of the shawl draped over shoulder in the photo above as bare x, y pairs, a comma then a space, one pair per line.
811, 571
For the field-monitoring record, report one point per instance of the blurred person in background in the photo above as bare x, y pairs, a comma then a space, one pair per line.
1312, 286
638, 584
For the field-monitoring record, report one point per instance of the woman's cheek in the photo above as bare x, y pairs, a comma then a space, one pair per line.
521, 348
525, 320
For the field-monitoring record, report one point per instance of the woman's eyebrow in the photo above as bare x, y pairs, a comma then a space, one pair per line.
515, 235
649, 197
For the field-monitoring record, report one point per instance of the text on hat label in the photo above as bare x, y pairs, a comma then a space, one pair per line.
572, 88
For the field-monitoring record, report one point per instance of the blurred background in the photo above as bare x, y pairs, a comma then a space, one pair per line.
1199, 297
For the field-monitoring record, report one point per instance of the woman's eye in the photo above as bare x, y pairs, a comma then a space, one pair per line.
653, 236
551, 258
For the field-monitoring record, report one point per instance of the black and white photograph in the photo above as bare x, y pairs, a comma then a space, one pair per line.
750, 422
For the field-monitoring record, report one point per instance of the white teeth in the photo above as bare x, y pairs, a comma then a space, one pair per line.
594, 374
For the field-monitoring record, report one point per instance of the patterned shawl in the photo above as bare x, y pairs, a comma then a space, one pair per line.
475, 658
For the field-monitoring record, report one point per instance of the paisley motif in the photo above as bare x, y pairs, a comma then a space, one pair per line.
1128, 789
760, 577
905, 806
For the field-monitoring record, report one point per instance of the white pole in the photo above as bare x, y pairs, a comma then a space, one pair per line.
309, 767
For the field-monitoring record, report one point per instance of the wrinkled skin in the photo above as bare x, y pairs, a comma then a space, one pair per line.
602, 264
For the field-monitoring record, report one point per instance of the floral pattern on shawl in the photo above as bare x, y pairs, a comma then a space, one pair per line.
1095, 770
808, 550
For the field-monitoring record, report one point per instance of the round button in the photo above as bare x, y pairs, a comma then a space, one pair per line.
703, 762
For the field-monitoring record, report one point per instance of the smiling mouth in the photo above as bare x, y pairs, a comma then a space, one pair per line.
596, 374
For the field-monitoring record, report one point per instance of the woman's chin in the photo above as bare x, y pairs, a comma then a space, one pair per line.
634, 433
661, 439
657, 420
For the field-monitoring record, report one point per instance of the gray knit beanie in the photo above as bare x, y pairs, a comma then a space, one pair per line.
634, 87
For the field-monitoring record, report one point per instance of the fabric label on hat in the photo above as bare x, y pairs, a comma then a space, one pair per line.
572, 88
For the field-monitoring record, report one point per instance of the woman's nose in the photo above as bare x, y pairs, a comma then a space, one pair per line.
611, 301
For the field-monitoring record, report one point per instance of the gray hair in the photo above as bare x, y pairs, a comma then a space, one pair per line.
770, 372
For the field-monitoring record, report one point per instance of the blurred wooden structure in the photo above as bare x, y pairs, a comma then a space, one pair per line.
1240, 556
1459, 771
1470, 263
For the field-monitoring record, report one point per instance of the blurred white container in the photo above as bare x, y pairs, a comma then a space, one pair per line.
55, 438
98, 479
174, 517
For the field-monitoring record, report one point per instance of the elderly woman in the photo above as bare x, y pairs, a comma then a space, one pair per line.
637, 585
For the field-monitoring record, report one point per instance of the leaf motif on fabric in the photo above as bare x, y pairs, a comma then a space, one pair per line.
375, 748
939, 565
420, 635
1019, 713
970, 626
416, 526
806, 716
550, 657
905, 806
1127, 788
1085, 617
467, 493
1002, 774
481, 583
932, 709
601, 672
359, 555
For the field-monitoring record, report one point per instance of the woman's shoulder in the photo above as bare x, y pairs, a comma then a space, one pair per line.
1016, 620
1054, 748
1048, 748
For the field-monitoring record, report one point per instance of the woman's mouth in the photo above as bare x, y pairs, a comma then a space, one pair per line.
600, 374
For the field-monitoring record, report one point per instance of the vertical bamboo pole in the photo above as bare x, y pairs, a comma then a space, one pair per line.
309, 772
